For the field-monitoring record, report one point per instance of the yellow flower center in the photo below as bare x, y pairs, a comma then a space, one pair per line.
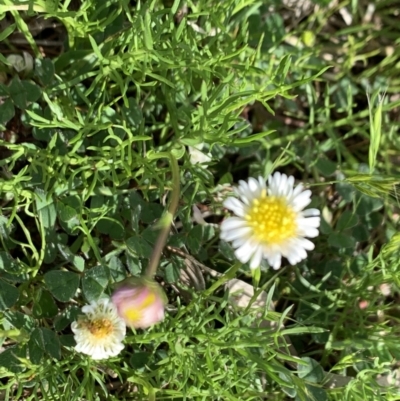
134, 313
271, 219
100, 328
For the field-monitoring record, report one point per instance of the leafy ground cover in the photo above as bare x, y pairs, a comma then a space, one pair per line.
94, 96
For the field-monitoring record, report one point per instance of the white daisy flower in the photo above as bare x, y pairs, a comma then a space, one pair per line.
100, 332
270, 221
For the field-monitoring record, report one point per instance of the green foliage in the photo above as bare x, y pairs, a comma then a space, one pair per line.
256, 88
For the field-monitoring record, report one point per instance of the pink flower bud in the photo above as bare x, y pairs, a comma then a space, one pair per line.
140, 302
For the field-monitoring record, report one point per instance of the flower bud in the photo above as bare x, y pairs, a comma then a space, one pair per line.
21, 63
140, 302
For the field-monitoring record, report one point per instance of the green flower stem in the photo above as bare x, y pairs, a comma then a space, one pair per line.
167, 219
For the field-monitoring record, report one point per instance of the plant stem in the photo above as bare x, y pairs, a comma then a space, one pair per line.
167, 220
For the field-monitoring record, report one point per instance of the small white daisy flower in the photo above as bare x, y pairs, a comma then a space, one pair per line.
100, 332
270, 221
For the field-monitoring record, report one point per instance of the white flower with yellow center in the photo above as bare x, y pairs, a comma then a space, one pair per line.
270, 221
100, 332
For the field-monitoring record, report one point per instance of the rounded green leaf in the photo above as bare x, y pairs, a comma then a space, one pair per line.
33, 92
8, 295
311, 371
62, 284
44, 69
94, 282
111, 227
66, 212
7, 263
139, 359
66, 317
18, 93
139, 247
326, 167
7, 111
44, 306
45, 340
9, 359
117, 269
347, 220
340, 240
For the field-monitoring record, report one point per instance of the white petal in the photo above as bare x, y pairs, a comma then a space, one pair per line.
233, 223
256, 258
239, 242
301, 201
235, 205
310, 232
306, 244
275, 261
311, 212
309, 222
245, 252
234, 234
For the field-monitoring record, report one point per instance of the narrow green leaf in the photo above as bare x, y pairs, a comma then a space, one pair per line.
148, 38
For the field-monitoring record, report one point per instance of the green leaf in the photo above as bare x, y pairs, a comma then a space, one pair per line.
67, 340
194, 239
33, 92
9, 358
44, 306
51, 246
311, 371
132, 114
35, 352
94, 282
117, 269
360, 233
77, 261
62, 284
226, 250
151, 212
8, 264
45, 208
7, 31
66, 212
172, 272
139, 359
20, 320
8, 295
66, 317
341, 240
46, 341
326, 167
18, 93
139, 247
314, 393
111, 227
346, 220
70, 223
7, 111
135, 265
44, 69
148, 39
290, 390
367, 205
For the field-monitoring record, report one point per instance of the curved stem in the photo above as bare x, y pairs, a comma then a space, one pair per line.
166, 220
